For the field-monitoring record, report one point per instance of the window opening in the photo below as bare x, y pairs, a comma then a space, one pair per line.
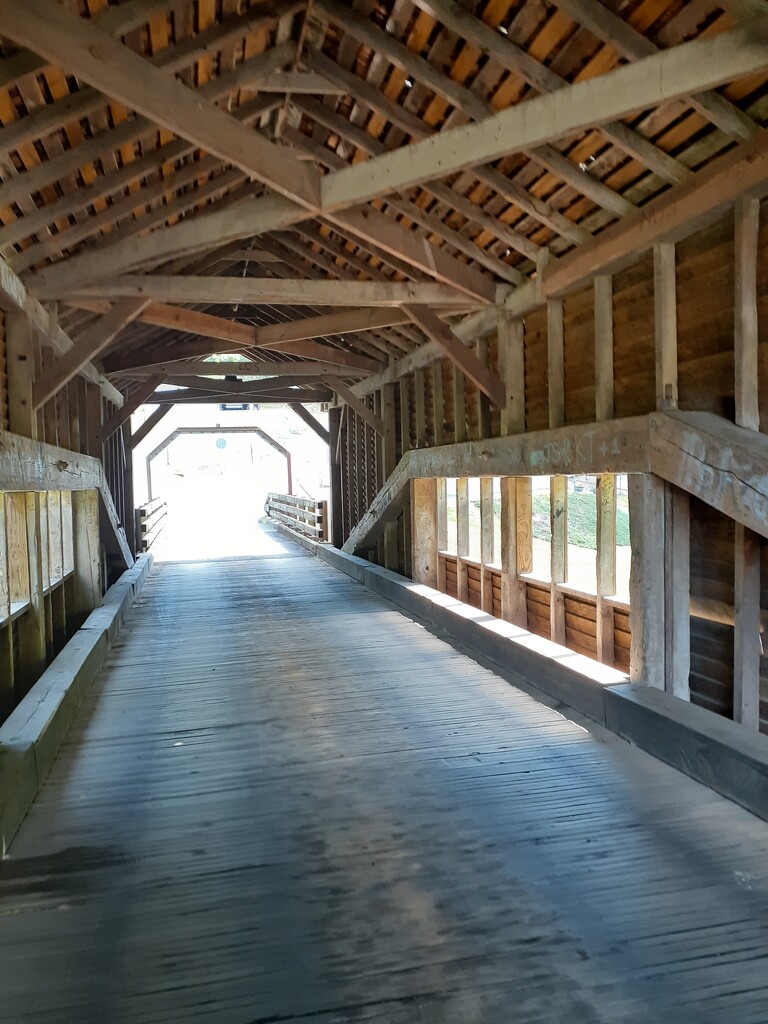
451, 521
541, 528
623, 550
582, 533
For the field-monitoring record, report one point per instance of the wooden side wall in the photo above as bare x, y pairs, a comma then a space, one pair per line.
51, 572
704, 326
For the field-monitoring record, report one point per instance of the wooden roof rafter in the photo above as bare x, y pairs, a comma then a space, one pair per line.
377, 215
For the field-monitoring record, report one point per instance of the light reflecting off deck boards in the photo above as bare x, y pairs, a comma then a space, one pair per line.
284, 801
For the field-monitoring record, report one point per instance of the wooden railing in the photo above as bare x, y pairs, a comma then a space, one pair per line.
304, 515
150, 523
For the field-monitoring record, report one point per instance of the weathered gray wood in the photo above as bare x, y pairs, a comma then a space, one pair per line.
515, 544
87, 346
277, 853
677, 592
424, 531
646, 582
355, 403
20, 364
487, 553
462, 537
603, 347
309, 419
87, 583
165, 288
30, 627
747, 645
665, 308
28, 465
555, 363
621, 446
724, 465
606, 566
511, 341
745, 355
558, 517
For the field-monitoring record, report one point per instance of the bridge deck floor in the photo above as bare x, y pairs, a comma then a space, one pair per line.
284, 801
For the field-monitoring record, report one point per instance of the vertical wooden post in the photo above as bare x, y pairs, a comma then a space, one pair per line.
558, 555
424, 530
646, 582
745, 313
486, 543
45, 573
438, 405
747, 647
558, 486
516, 548
420, 408
73, 412
31, 625
442, 529
56, 562
483, 404
93, 420
665, 311
21, 373
405, 445
603, 347
555, 364
512, 370
389, 462
62, 419
606, 565
677, 591
86, 590
6, 633
459, 407
129, 501
606, 485
462, 537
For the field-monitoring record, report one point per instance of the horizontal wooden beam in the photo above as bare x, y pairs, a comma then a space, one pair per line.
285, 396
272, 368
263, 291
300, 82
723, 465
190, 321
347, 321
161, 353
240, 387
618, 446
689, 68
27, 465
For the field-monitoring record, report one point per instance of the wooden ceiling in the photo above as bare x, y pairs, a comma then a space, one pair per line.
330, 85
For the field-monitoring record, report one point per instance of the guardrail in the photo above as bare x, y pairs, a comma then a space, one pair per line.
304, 515
150, 523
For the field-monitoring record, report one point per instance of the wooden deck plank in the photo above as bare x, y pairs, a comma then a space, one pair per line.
285, 801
